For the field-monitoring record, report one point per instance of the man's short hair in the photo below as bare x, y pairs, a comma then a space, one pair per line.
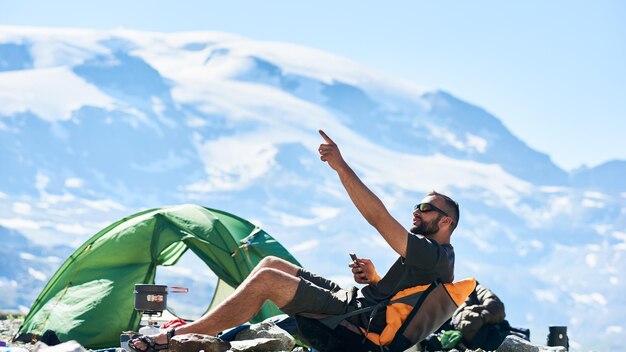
450, 206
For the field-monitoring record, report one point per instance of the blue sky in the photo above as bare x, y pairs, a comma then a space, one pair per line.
552, 71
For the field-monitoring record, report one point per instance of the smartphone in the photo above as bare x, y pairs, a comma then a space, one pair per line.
355, 259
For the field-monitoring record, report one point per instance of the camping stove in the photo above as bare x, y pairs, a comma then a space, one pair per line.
152, 299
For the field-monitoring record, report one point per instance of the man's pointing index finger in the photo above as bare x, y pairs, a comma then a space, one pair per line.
326, 138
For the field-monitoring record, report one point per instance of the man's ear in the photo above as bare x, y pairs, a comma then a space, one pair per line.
446, 220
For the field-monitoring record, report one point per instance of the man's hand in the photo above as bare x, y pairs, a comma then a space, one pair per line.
329, 152
364, 272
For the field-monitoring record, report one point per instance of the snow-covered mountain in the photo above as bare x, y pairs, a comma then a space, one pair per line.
96, 125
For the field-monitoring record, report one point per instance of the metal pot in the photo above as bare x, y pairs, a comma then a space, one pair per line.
150, 298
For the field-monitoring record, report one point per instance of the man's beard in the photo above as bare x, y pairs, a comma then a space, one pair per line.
427, 228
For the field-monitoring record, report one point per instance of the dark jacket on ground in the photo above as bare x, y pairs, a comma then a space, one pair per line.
481, 307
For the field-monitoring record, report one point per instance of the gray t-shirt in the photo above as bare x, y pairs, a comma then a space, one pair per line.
426, 261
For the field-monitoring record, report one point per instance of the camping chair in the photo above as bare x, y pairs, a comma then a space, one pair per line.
411, 315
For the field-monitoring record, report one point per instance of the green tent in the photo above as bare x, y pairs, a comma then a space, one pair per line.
90, 298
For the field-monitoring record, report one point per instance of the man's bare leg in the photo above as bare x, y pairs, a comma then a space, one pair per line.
265, 282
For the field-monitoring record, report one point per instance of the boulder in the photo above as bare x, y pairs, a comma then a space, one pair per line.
514, 343
268, 330
197, 342
260, 344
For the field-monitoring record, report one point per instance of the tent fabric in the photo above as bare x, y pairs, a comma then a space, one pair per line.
90, 298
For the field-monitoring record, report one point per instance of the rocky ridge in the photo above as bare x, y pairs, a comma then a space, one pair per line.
263, 337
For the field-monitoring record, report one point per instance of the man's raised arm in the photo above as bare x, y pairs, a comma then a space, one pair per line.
370, 206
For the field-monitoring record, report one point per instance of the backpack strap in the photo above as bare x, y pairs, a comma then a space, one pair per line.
334, 320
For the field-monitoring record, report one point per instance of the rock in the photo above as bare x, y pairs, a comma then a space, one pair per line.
39, 346
268, 330
260, 344
514, 343
552, 349
197, 342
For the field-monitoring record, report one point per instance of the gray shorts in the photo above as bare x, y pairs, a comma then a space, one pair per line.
311, 298
318, 295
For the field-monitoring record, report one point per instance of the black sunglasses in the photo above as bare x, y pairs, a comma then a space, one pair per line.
426, 207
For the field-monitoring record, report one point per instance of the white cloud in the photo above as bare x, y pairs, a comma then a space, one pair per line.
614, 329
619, 235
19, 224
596, 195
27, 256
590, 203
591, 259
472, 143
325, 213
374, 240
536, 244
37, 275
3, 195
52, 199
41, 182
190, 267
476, 143
67, 47
105, 205
171, 162
178, 270
52, 259
481, 232
232, 165
289, 220
196, 122
601, 229
620, 246
10, 284
74, 229
553, 189
74, 182
557, 206
447, 136
22, 208
38, 91
545, 295
320, 213
305, 246
590, 299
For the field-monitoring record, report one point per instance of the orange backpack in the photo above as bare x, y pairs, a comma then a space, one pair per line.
411, 315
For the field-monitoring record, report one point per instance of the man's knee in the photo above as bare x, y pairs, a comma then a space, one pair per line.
266, 275
269, 261
275, 285
274, 262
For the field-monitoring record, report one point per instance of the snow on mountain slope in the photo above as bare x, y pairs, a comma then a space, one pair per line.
38, 91
96, 125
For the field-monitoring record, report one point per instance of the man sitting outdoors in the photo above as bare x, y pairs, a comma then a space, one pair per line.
425, 255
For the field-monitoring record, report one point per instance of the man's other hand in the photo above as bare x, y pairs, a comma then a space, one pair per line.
364, 272
329, 152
